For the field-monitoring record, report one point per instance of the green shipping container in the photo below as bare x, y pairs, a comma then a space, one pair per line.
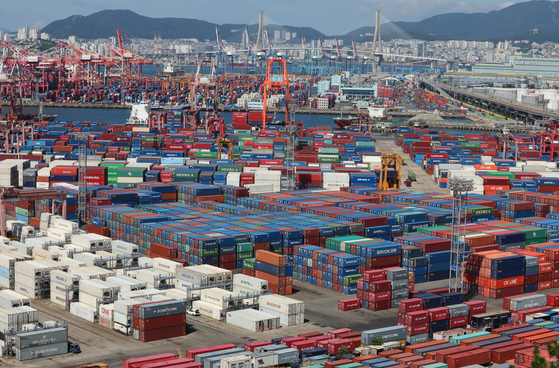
241, 256
249, 264
206, 154
131, 173
207, 252
351, 280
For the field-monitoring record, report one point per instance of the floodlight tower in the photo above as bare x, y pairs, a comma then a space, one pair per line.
459, 187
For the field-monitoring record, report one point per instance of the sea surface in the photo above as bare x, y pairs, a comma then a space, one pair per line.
119, 116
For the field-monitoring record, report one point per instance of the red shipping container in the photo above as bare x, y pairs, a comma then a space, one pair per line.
416, 317
193, 352
417, 329
376, 306
334, 345
162, 333
176, 362
458, 321
553, 300
480, 356
437, 314
153, 358
253, 345
477, 307
336, 333
349, 304
290, 340
379, 297
411, 305
159, 322
374, 275
305, 344
377, 286
501, 355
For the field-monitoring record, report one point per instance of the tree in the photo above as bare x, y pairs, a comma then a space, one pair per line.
377, 341
342, 351
540, 361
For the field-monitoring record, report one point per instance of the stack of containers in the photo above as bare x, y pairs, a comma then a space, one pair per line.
32, 279
159, 320
290, 311
495, 274
123, 314
247, 285
64, 288
7, 271
274, 268
526, 305
330, 269
95, 293
399, 279
374, 291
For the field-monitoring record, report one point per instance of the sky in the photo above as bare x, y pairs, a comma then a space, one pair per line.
331, 17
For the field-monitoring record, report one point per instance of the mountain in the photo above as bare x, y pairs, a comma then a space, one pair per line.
5, 30
510, 22
104, 24
514, 22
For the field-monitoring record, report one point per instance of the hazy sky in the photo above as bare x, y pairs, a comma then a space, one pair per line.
331, 17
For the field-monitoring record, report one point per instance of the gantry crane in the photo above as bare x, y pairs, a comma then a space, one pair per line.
276, 80
390, 162
221, 144
208, 82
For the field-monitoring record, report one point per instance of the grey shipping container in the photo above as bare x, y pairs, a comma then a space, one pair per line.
41, 337
287, 356
394, 303
458, 310
162, 309
393, 333
400, 293
267, 348
416, 339
201, 357
400, 284
398, 274
42, 351
528, 302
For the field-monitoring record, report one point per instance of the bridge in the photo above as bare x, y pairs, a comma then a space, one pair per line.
517, 110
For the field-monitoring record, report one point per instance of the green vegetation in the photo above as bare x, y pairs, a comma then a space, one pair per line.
342, 352
377, 341
45, 45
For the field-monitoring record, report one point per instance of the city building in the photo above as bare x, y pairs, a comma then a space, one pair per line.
360, 93
23, 33
522, 65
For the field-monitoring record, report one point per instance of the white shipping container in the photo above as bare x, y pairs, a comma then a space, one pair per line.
166, 265
218, 297
59, 234
175, 294
221, 273
44, 254
154, 278
285, 319
282, 304
192, 275
68, 226
85, 241
242, 361
123, 319
33, 283
185, 285
126, 285
100, 272
12, 295
64, 278
250, 282
208, 309
51, 265
30, 269
71, 263
122, 247
90, 300
7, 261
89, 259
84, 311
126, 307
33, 314
27, 291
252, 320
100, 291
106, 311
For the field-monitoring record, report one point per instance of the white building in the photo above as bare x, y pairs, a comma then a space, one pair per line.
23, 33
45, 36
34, 33
72, 39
